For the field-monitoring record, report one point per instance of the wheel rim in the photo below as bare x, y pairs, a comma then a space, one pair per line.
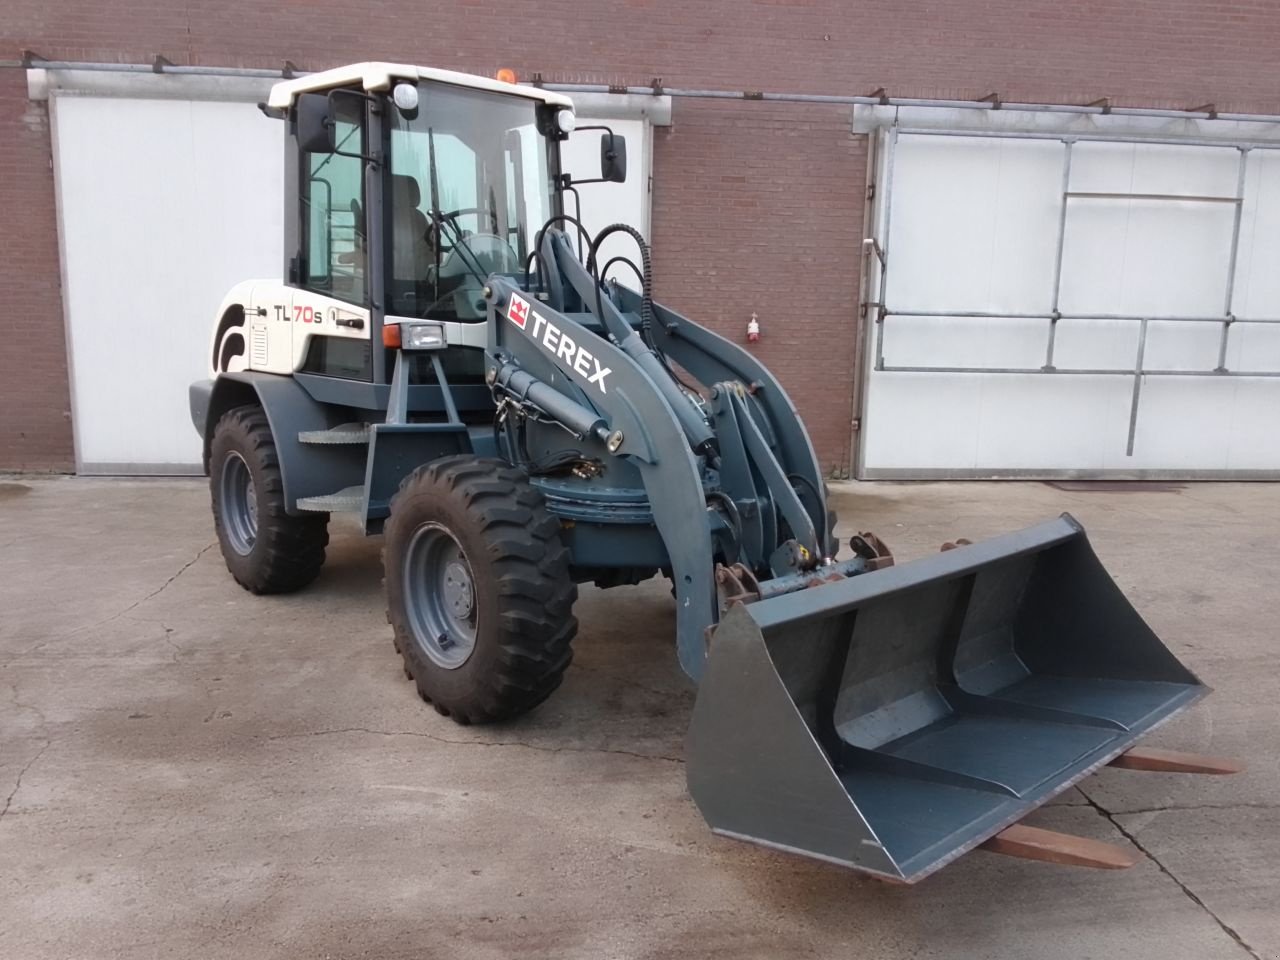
239, 502
440, 596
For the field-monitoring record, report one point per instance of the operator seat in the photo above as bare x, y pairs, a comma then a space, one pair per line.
412, 252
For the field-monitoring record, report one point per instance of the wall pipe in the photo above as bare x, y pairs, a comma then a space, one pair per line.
162, 67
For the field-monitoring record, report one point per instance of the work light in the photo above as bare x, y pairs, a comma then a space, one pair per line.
422, 336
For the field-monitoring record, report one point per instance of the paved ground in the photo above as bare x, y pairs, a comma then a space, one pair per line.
189, 771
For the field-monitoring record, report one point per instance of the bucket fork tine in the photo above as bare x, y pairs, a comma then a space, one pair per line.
1050, 846
1153, 759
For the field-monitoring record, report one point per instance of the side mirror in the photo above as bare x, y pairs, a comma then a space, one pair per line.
313, 123
613, 157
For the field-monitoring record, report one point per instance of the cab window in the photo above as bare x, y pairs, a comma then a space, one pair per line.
332, 192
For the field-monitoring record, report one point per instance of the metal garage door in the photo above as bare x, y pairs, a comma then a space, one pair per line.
164, 204
1073, 303
170, 191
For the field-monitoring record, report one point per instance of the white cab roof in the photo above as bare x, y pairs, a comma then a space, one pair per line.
379, 76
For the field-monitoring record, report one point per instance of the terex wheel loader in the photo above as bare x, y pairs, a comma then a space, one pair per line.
444, 360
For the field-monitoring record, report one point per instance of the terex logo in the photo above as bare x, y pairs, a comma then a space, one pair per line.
558, 344
519, 312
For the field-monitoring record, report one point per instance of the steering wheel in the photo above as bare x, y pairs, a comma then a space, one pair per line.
463, 211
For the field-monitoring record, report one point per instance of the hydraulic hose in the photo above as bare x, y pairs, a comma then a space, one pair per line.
646, 272
537, 241
646, 299
604, 271
645, 352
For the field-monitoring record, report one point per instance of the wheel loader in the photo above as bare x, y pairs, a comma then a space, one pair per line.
446, 360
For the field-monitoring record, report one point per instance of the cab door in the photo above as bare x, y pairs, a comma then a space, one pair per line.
329, 312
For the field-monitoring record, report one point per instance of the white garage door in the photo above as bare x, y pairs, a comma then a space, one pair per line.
164, 204
1054, 306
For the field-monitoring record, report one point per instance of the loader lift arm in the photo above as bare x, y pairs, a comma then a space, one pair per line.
775, 443
688, 450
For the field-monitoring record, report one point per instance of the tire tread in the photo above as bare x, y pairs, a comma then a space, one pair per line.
535, 591
292, 547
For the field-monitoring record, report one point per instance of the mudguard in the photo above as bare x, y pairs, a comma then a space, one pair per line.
308, 470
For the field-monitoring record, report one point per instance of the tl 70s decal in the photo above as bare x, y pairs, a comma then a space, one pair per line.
302, 313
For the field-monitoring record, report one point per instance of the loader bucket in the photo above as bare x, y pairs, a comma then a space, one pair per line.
893, 720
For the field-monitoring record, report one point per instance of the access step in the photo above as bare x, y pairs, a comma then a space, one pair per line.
348, 499
353, 433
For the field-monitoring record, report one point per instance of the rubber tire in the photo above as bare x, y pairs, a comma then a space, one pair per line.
288, 551
524, 591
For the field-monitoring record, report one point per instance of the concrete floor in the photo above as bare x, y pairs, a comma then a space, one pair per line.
190, 771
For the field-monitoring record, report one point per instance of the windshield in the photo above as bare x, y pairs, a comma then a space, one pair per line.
469, 188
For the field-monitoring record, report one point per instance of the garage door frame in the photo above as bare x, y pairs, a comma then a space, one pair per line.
53, 86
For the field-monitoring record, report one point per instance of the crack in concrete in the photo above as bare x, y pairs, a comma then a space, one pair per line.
177, 650
1186, 890
18, 702
164, 586
17, 785
1174, 808
474, 743
166, 636
131, 607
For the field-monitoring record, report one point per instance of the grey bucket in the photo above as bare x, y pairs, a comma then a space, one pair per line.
894, 720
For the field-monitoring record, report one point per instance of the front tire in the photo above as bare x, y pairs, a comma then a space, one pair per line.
479, 594
265, 549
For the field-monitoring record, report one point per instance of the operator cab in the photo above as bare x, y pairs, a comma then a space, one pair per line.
406, 188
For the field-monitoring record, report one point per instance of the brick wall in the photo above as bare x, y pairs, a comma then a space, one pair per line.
757, 207
35, 415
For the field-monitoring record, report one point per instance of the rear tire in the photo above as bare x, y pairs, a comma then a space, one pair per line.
479, 594
266, 549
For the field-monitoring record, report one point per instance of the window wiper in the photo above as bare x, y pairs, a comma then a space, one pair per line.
471, 261
435, 191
